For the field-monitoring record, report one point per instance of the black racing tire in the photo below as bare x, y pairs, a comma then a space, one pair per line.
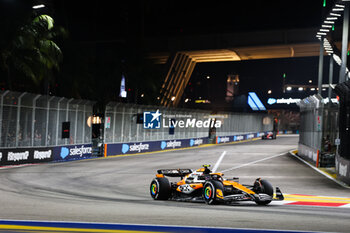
160, 189
266, 188
210, 190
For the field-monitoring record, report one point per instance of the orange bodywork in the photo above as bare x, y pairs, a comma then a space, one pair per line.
196, 186
238, 186
181, 182
200, 185
218, 173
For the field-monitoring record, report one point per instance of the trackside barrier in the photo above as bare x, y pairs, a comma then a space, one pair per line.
150, 146
342, 169
318, 129
16, 156
288, 132
72, 152
236, 138
141, 147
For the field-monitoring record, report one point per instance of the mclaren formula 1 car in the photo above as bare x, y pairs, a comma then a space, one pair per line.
212, 188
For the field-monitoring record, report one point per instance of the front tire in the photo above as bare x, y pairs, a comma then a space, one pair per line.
160, 189
210, 191
263, 186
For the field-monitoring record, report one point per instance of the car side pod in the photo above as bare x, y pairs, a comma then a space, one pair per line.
279, 195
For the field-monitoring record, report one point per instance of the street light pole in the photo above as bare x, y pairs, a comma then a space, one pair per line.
330, 77
344, 49
320, 67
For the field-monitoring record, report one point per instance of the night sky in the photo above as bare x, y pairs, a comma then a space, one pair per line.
108, 20
100, 30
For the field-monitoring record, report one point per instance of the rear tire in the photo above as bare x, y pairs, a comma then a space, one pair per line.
160, 189
265, 188
210, 190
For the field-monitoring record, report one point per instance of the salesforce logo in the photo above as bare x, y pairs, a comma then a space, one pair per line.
64, 152
196, 142
75, 151
170, 144
271, 101
163, 145
125, 148
223, 139
134, 148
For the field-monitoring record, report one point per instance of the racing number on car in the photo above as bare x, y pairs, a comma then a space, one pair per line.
186, 188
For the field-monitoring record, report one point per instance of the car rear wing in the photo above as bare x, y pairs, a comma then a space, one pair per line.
175, 172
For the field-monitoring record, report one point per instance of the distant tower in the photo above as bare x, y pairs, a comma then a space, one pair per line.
232, 87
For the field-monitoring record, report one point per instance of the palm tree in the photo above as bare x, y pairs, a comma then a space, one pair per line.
32, 52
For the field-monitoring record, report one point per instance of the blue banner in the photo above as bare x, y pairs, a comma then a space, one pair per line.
72, 152
149, 146
236, 138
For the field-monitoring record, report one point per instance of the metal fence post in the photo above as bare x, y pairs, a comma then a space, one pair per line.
67, 109
47, 120
67, 115
122, 128
83, 122
320, 68
1, 113
330, 78
58, 119
344, 50
130, 123
137, 125
33, 118
18, 117
114, 122
76, 123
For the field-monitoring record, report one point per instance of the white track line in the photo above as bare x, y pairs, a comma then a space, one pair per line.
256, 161
345, 206
216, 166
17, 166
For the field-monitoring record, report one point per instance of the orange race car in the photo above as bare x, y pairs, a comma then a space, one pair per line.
203, 185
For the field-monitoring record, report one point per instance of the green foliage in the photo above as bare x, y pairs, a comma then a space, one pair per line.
32, 51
